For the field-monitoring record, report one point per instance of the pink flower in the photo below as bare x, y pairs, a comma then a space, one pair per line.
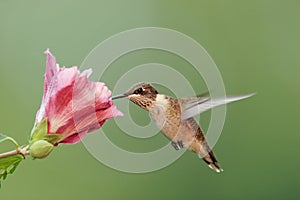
73, 105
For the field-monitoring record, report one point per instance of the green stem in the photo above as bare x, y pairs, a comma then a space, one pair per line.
22, 151
10, 139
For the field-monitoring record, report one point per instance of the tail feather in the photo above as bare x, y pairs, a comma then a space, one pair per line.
215, 167
212, 162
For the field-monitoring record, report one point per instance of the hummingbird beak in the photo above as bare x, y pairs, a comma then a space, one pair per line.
118, 96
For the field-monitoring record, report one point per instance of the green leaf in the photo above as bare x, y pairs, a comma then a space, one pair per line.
4, 138
53, 138
40, 131
8, 165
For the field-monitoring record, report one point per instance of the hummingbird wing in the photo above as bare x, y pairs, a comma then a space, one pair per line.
196, 105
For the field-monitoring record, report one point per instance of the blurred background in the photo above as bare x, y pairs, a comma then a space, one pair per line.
255, 45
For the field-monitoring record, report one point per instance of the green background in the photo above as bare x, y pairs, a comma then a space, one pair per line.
254, 43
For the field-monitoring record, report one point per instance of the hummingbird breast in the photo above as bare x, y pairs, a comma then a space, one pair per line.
166, 112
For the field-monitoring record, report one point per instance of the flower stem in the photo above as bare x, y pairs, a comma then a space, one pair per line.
22, 151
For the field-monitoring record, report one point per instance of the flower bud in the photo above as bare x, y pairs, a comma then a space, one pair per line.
40, 149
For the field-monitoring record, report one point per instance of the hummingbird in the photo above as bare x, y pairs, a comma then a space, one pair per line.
175, 118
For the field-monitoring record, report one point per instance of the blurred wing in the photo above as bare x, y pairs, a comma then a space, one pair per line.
200, 105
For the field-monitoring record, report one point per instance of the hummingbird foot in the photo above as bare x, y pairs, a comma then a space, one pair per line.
177, 145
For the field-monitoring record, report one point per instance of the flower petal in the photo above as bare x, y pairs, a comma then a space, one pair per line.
49, 79
51, 69
90, 106
75, 138
73, 105
59, 106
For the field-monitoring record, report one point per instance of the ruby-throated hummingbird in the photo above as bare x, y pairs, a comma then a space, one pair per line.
175, 117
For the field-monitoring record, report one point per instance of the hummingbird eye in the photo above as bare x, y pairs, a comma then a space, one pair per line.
138, 91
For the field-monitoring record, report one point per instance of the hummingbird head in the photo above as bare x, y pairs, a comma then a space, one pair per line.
142, 94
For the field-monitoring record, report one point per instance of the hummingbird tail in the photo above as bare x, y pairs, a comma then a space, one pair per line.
212, 162
215, 167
